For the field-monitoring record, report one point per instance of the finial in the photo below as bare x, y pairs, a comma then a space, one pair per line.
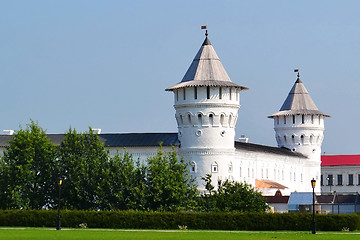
298, 73
206, 32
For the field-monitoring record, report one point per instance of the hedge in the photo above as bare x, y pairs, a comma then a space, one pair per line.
171, 220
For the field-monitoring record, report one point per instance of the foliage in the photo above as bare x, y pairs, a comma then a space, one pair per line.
27, 170
83, 164
172, 220
169, 186
231, 196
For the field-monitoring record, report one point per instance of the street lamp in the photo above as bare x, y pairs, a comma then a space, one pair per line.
313, 183
58, 226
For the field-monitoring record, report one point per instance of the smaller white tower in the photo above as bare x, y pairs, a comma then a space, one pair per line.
299, 126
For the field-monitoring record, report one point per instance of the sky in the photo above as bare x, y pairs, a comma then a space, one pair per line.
106, 64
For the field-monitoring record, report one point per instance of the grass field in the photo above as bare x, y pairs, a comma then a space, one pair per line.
103, 234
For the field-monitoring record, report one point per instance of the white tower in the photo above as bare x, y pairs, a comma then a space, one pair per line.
299, 126
206, 104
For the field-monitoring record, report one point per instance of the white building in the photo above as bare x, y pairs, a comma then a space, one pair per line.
206, 106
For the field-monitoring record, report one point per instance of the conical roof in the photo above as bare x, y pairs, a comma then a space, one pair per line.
206, 70
298, 102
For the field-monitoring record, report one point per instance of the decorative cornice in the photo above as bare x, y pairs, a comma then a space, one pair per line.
198, 105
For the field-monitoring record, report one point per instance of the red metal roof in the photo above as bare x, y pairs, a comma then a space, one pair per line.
338, 160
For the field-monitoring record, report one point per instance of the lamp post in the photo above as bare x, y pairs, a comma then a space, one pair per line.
313, 183
58, 226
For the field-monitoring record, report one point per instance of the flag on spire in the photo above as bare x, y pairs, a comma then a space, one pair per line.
203, 27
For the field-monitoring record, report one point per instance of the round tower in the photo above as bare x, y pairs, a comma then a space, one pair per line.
206, 104
299, 126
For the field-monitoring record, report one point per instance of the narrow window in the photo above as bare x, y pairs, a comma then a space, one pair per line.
294, 119
312, 119
195, 92
293, 139
248, 172
284, 119
311, 139
199, 119
302, 139
240, 172
189, 119
330, 180
303, 119
267, 173
214, 167
181, 119
319, 119
339, 179
351, 179
321, 180
230, 120
220, 93
193, 167
208, 92
358, 179
222, 119
282, 175
211, 119
277, 120
230, 167
262, 173
177, 95
230, 93
285, 139
237, 95
184, 93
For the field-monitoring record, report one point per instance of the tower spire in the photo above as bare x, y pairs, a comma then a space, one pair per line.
298, 74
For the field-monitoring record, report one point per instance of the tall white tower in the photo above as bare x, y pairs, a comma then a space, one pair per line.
299, 126
206, 104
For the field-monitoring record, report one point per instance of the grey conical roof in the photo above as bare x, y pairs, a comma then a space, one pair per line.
206, 70
298, 102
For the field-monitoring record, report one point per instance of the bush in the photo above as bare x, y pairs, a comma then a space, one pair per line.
172, 220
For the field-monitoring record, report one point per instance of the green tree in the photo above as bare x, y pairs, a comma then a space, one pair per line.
169, 184
28, 170
231, 196
84, 164
124, 186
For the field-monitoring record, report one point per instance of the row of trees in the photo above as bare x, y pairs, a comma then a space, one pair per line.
92, 179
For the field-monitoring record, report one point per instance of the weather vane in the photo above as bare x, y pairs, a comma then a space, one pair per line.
206, 32
297, 71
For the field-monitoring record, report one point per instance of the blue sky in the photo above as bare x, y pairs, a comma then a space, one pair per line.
105, 64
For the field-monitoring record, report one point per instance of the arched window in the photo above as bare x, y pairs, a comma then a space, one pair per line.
222, 119
199, 119
302, 139
181, 119
193, 167
293, 139
230, 167
189, 119
285, 139
214, 167
211, 119
230, 120
311, 139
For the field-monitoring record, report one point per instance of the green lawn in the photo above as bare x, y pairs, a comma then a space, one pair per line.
99, 234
